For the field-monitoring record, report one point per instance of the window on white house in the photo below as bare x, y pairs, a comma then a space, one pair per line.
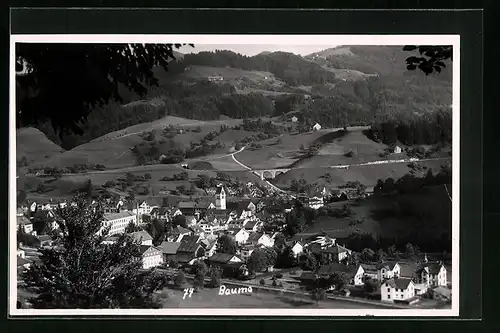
389, 296
388, 290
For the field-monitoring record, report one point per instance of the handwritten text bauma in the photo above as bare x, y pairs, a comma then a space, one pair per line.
234, 291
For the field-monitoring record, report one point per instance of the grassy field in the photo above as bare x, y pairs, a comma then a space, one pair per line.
274, 155
113, 149
366, 174
64, 186
35, 146
363, 149
209, 298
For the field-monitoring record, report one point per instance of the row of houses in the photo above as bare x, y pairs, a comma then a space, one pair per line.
398, 281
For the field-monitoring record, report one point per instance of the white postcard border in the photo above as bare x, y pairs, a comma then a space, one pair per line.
318, 40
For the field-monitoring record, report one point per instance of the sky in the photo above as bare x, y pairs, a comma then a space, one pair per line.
250, 50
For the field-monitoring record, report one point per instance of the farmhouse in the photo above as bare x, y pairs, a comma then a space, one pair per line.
432, 275
256, 238
294, 119
397, 289
253, 225
397, 150
388, 270
316, 127
354, 273
223, 258
210, 246
371, 271
190, 249
240, 235
335, 252
169, 250
178, 233
151, 256
142, 237
24, 224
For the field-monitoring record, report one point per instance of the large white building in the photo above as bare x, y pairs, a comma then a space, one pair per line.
118, 222
151, 256
398, 289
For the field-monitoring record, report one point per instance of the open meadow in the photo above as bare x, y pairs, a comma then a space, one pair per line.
114, 149
366, 174
35, 146
209, 298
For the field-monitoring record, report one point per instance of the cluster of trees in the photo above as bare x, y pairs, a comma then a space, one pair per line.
178, 176
410, 183
84, 272
290, 68
58, 172
428, 129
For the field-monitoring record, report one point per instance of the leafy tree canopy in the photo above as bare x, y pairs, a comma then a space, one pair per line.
431, 59
83, 272
62, 82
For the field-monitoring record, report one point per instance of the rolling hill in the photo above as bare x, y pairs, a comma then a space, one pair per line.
114, 149
35, 146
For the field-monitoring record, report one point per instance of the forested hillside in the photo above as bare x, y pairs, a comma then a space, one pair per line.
310, 86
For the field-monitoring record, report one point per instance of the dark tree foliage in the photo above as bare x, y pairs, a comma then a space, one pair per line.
429, 129
180, 220
289, 67
226, 244
83, 272
60, 82
258, 260
431, 59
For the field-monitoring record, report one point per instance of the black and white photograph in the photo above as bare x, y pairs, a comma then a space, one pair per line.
248, 175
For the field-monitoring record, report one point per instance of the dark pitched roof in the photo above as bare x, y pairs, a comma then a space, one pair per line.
399, 283
144, 248
336, 249
222, 258
388, 265
369, 268
434, 268
204, 204
251, 224
22, 220
407, 269
254, 236
184, 257
170, 247
186, 205
141, 236
337, 268
189, 244
219, 189
22, 261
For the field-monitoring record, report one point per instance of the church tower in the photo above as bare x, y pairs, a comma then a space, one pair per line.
220, 201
